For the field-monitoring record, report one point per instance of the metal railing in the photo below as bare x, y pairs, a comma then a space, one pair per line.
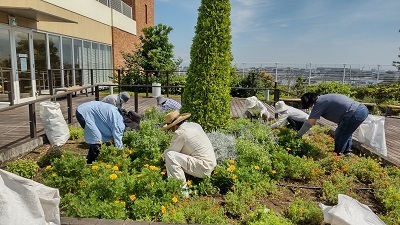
119, 6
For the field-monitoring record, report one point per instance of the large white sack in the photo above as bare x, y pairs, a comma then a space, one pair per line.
56, 128
24, 201
349, 211
372, 133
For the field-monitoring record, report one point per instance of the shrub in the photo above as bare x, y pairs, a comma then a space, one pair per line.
224, 146
305, 213
75, 132
207, 91
51, 154
23, 168
263, 216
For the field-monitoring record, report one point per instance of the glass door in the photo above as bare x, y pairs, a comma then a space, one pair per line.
24, 76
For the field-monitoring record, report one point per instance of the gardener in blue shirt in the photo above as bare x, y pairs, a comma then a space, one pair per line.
101, 122
340, 109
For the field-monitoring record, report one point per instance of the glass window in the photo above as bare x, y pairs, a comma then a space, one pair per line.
67, 61
54, 50
86, 63
39, 51
95, 62
77, 60
5, 64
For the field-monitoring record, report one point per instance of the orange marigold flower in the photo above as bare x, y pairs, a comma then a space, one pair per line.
231, 161
95, 167
189, 182
113, 176
256, 167
273, 171
48, 167
108, 166
163, 209
154, 168
132, 197
174, 200
115, 168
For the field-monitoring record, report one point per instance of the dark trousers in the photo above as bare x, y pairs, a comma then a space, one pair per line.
94, 151
80, 119
294, 124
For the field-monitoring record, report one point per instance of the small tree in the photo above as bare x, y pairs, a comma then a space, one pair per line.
207, 92
154, 53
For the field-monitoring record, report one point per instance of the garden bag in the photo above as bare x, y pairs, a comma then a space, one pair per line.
349, 211
56, 128
24, 201
372, 134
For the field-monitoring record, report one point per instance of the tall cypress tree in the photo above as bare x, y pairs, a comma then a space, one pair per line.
207, 91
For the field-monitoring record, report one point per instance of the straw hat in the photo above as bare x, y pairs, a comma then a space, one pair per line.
280, 106
250, 102
161, 99
173, 118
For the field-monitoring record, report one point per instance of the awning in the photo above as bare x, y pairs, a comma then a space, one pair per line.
34, 14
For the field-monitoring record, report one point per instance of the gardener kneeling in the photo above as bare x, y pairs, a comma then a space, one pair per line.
190, 150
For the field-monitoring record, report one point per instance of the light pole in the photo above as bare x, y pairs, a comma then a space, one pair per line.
377, 75
344, 72
309, 77
276, 74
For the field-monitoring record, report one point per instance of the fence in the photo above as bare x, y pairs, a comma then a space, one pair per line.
119, 6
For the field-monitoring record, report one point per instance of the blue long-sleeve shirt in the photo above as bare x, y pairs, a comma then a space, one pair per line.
102, 122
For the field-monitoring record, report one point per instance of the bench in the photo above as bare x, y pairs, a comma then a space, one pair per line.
72, 88
389, 109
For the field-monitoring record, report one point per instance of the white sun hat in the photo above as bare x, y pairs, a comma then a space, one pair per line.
280, 106
250, 102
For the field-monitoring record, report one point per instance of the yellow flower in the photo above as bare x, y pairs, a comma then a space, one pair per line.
152, 183
189, 182
132, 197
108, 166
62, 156
231, 168
288, 149
174, 200
113, 176
48, 167
163, 209
146, 165
123, 203
162, 172
124, 155
53, 174
139, 175
215, 172
150, 110
256, 167
234, 177
95, 167
154, 168
115, 168
116, 201
273, 171
232, 161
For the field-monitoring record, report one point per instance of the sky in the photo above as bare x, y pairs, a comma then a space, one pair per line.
363, 32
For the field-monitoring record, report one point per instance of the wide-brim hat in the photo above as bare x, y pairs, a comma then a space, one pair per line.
161, 99
173, 118
250, 102
280, 106
124, 96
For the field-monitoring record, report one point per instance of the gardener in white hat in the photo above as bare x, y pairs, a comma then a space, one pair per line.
167, 104
117, 99
256, 109
289, 116
190, 150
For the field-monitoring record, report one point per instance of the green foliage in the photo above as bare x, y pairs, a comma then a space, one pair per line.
238, 203
23, 168
305, 213
365, 169
154, 53
263, 216
50, 154
252, 79
337, 183
207, 91
75, 132
332, 87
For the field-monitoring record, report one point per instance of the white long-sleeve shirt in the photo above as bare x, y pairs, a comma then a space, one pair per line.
296, 114
258, 110
190, 139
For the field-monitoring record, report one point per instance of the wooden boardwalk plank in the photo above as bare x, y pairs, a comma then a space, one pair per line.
14, 124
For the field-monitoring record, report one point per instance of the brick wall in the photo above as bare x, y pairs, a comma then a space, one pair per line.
123, 41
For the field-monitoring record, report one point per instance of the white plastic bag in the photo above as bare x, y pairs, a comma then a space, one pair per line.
24, 201
349, 211
372, 133
56, 128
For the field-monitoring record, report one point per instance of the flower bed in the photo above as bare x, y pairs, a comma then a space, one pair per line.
263, 176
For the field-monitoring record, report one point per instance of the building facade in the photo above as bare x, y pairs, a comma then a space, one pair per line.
68, 38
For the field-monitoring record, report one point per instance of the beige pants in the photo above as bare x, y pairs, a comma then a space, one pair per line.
178, 164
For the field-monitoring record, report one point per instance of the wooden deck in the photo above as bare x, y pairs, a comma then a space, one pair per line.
14, 124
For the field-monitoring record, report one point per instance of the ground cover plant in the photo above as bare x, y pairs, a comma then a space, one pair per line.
263, 176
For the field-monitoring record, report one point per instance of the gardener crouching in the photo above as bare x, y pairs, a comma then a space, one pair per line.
190, 150
255, 109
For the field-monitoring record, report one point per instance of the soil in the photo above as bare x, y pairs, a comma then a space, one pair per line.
288, 191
